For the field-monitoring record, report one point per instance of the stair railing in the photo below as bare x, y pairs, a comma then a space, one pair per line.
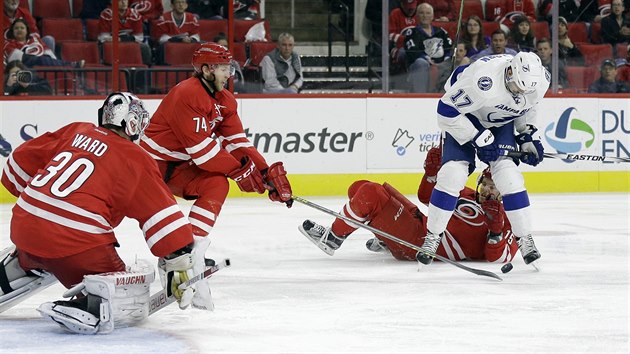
333, 28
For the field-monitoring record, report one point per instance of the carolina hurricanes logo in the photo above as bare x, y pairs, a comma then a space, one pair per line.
219, 116
469, 212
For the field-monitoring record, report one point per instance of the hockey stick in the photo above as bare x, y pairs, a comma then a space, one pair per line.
570, 157
161, 299
394, 238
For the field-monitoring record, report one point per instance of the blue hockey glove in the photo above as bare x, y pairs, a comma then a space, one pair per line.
532, 148
487, 150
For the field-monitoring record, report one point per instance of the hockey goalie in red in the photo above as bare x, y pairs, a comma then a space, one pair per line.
74, 186
198, 141
478, 230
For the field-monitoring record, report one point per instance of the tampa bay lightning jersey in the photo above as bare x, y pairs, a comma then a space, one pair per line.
478, 92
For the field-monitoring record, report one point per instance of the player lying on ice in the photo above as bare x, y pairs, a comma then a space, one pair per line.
74, 186
478, 229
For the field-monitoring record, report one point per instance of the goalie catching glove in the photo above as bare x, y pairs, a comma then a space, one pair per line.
247, 177
532, 148
278, 185
178, 269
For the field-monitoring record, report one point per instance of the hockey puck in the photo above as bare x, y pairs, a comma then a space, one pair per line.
506, 268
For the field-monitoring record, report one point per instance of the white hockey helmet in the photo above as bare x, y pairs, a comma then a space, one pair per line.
527, 73
125, 110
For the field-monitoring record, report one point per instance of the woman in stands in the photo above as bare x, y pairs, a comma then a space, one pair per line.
473, 36
30, 49
522, 37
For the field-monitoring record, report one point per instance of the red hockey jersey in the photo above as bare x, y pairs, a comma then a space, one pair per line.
466, 232
398, 23
194, 124
166, 27
75, 185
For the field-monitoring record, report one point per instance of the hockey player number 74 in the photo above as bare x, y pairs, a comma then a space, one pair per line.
63, 185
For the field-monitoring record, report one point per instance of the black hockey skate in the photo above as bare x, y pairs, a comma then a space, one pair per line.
528, 249
430, 246
321, 236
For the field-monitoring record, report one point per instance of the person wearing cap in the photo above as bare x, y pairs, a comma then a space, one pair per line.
567, 50
608, 83
478, 231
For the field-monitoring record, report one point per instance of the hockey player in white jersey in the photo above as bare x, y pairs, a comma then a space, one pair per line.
485, 102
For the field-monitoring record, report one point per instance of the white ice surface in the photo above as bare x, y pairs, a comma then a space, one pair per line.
284, 295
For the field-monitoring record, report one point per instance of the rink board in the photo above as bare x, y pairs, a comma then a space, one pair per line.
326, 143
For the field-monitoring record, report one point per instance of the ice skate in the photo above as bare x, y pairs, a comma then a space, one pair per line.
430, 245
528, 249
376, 245
321, 236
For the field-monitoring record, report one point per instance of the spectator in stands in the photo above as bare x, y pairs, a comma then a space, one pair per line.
239, 80
544, 51
623, 70
608, 83
130, 28
505, 12
473, 37
19, 80
567, 50
460, 59
401, 19
444, 10
30, 49
282, 68
13, 11
426, 46
522, 37
178, 25
616, 26
498, 46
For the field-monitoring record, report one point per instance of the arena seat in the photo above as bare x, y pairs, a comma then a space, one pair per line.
74, 51
51, 9
179, 54
208, 29
594, 54
63, 29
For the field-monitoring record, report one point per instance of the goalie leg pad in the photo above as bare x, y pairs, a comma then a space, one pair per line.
16, 284
116, 300
202, 298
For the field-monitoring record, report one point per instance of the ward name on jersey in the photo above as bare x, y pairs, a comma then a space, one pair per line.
78, 183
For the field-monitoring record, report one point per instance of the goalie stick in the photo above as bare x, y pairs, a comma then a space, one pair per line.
395, 239
161, 299
570, 157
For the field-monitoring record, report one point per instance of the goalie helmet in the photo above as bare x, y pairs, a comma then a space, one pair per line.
210, 53
527, 72
125, 110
